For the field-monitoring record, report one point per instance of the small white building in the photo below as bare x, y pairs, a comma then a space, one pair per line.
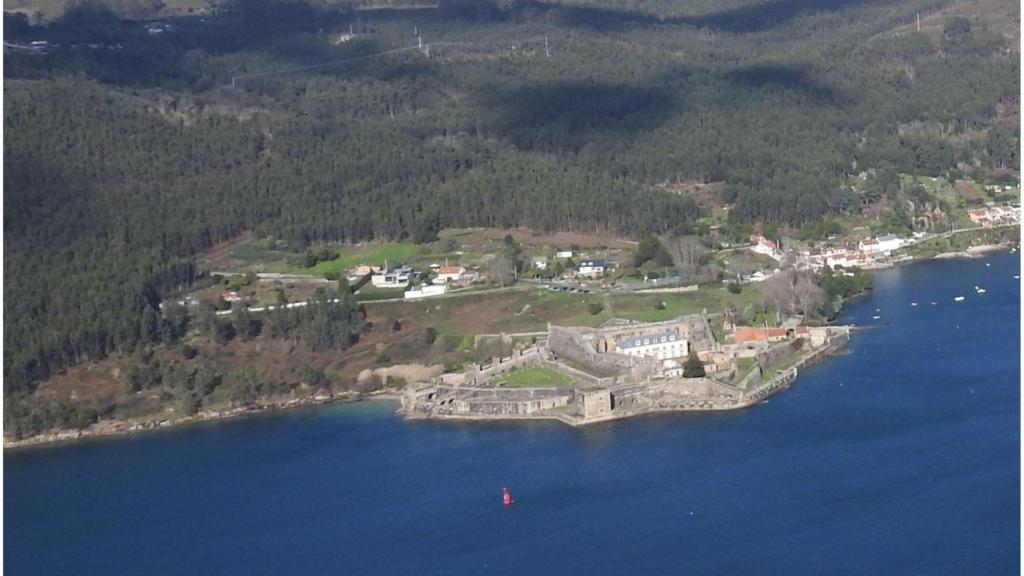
232, 296
392, 279
766, 247
671, 368
565, 254
881, 244
663, 346
540, 262
591, 268
425, 291
446, 274
761, 275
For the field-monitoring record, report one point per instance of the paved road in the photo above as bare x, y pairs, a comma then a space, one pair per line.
454, 294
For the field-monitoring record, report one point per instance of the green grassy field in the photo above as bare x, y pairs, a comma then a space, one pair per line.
355, 255
513, 311
744, 366
533, 377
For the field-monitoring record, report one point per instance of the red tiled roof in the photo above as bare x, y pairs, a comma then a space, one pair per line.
754, 334
763, 241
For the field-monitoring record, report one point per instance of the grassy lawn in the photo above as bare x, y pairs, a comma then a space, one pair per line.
744, 366
371, 292
531, 310
534, 377
261, 256
355, 255
940, 187
713, 298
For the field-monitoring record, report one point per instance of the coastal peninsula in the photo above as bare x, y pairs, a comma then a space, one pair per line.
580, 375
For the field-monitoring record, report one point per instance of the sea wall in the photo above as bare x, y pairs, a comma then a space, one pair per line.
427, 401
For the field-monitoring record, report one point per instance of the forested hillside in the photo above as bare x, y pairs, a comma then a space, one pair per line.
127, 152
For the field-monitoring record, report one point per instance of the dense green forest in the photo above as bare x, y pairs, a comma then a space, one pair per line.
128, 152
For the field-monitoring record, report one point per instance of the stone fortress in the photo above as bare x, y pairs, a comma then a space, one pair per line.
625, 368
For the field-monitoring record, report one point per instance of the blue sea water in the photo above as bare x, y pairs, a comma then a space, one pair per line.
900, 457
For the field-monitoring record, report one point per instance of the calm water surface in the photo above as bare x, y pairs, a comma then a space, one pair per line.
899, 457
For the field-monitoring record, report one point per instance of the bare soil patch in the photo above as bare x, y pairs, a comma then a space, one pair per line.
85, 383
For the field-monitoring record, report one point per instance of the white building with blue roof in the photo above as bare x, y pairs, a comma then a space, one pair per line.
661, 345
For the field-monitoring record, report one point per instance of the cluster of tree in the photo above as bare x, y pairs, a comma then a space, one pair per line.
693, 367
331, 320
311, 258
820, 230
840, 286
792, 292
24, 417
650, 254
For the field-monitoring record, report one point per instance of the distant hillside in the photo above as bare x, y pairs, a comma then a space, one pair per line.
131, 145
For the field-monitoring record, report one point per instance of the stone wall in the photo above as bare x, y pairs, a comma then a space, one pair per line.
774, 354
578, 345
406, 372
482, 373
454, 401
595, 403
580, 376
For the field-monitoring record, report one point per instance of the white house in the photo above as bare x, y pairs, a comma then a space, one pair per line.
880, 245
761, 275
425, 292
663, 346
395, 278
565, 254
591, 268
540, 262
446, 274
766, 247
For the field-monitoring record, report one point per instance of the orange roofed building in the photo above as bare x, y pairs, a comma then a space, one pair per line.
746, 334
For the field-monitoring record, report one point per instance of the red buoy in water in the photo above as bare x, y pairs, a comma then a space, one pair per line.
506, 498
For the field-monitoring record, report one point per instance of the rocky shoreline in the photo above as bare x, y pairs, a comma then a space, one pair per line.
109, 428
972, 252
